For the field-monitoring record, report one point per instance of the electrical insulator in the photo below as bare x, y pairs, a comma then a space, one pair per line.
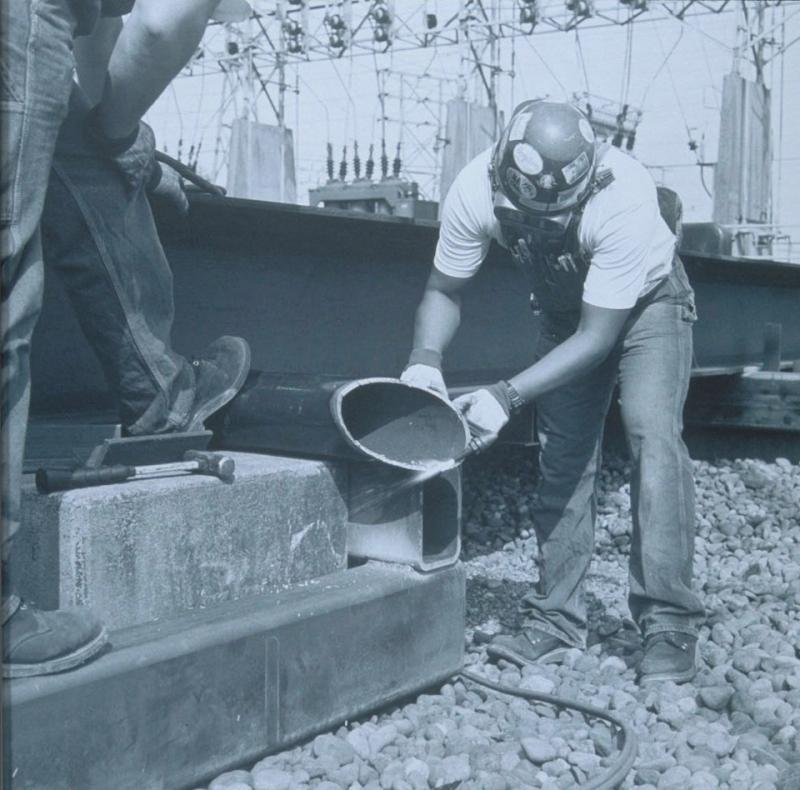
330, 162
343, 165
431, 21
396, 164
292, 28
296, 2
580, 7
335, 22
356, 160
233, 48
295, 46
384, 160
631, 141
637, 5
370, 168
380, 13
337, 27
528, 16
382, 18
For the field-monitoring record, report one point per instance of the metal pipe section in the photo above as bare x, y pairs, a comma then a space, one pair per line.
381, 419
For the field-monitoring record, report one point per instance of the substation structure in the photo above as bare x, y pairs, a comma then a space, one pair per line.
319, 585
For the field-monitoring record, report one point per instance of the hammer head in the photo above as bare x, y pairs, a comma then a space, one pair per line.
221, 466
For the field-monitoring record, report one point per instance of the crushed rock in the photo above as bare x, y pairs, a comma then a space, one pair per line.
736, 727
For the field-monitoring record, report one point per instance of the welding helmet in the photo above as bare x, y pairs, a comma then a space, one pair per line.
545, 159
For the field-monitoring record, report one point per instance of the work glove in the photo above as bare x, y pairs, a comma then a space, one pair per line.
486, 412
424, 370
169, 186
135, 159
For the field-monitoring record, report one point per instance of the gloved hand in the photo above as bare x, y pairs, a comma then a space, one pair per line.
170, 187
425, 376
424, 369
486, 414
135, 159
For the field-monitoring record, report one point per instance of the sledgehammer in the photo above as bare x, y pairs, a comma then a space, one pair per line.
194, 461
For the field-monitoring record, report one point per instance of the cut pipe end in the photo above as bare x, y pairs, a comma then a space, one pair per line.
400, 424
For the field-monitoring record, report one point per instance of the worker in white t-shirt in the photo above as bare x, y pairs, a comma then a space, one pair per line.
582, 220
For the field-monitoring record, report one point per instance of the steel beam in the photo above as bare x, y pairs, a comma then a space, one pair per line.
761, 400
324, 292
173, 704
398, 517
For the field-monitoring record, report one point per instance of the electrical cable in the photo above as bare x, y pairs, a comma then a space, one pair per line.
351, 103
703, 181
778, 201
186, 172
199, 105
547, 67
629, 67
663, 63
626, 738
582, 61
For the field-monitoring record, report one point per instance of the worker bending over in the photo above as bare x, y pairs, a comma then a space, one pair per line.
100, 235
582, 220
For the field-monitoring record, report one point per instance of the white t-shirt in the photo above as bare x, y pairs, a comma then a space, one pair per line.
621, 231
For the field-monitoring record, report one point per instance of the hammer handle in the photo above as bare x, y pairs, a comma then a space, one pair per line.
48, 480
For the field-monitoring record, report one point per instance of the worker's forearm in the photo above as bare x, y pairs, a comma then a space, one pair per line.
437, 320
156, 42
577, 355
92, 54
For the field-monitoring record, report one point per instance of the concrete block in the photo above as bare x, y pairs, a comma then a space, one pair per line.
145, 550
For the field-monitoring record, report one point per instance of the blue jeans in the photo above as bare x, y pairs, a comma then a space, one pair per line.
651, 363
36, 75
101, 238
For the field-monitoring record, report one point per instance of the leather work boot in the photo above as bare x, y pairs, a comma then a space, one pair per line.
220, 372
41, 643
668, 655
532, 646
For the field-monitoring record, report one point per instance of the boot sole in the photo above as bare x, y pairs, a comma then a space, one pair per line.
214, 405
61, 664
555, 656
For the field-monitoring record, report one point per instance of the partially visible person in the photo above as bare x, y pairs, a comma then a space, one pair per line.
109, 255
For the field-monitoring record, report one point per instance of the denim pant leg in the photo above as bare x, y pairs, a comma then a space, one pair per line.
654, 376
570, 422
36, 73
102, 240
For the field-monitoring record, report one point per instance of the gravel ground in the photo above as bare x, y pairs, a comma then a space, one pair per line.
737, 726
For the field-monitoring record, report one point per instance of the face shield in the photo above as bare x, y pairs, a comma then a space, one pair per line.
518, 224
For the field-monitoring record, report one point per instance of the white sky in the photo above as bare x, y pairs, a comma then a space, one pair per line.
338, 101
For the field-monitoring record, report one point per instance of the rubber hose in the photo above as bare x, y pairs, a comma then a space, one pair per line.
626, 739
186, 172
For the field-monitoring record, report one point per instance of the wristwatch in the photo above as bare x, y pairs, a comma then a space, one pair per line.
515, 399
